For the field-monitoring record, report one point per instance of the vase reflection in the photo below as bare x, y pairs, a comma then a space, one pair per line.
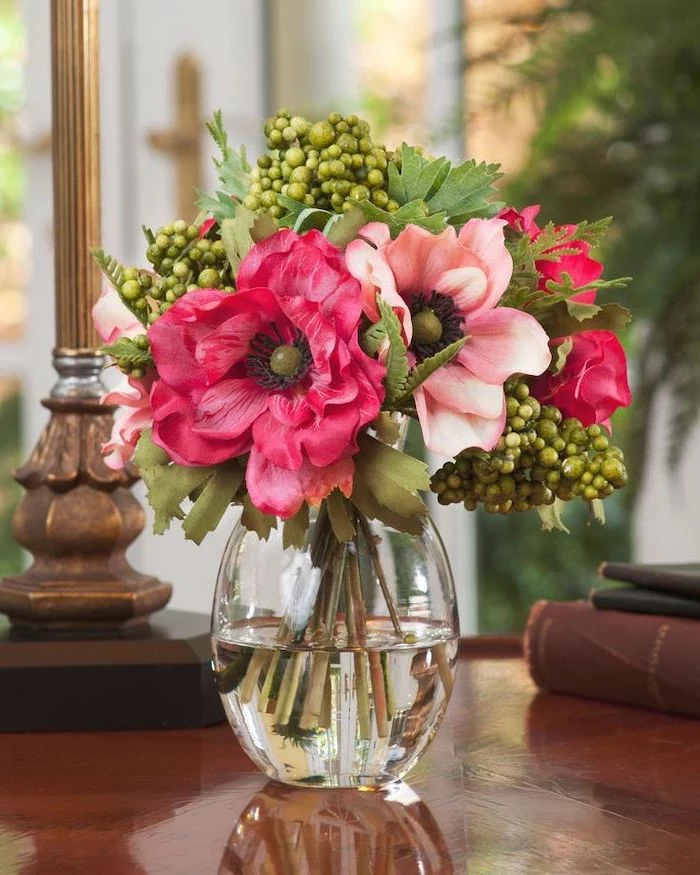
291, 831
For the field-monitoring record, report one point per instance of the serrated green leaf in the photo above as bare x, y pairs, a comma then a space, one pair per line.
218, 494
411, 213
428, 366
256, 521
397, 358
343, 230
557, 321
167, 486
465, 189
551, 516
372, 337
295, 528
221, 206
127, 354
233, 169
339, 513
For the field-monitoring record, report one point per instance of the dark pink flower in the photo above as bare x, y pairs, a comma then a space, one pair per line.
593, 382
274, 370
579, 265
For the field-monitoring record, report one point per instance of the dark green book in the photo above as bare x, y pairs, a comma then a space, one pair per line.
682, 580
645, 601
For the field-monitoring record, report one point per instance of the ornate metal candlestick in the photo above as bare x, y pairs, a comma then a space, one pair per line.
77, 517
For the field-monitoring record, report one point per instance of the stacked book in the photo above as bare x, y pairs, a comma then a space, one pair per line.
636, 644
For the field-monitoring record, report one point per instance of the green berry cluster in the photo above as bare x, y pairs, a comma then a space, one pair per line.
181, 263
540, 457
132, 355
331, 165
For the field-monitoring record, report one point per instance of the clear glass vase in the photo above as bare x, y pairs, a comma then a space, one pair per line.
335, 662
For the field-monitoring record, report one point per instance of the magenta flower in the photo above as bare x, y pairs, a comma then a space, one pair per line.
593, 382
444, 287
579, 265
274, 370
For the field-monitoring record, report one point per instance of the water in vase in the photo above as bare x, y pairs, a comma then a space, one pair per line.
337, 716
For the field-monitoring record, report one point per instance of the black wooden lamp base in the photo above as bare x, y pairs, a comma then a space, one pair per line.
158, 676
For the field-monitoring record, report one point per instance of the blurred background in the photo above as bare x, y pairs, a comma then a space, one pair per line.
592, 108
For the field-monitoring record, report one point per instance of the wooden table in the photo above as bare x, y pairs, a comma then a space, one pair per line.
514, 783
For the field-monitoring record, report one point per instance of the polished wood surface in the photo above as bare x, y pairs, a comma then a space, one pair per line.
515, 782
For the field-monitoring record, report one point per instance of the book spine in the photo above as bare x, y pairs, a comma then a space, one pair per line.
642, 660
663, 579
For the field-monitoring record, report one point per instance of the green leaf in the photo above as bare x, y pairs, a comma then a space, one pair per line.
412, 213
558, 321
236, 236
233, 169
338, 508
428, 366
397, 358
264, 226
256, 521
551, 516
128, 355
372, 337
147, 454
387, 482
465, 189
295, 528
221, 206
167, 486
560, 355
218, 494
343, 229
368, 505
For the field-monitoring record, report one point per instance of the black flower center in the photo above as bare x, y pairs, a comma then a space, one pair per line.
436, 323
275, 363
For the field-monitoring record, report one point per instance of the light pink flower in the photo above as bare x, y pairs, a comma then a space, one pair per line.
113, 319
219, 396
459, 279
132, 416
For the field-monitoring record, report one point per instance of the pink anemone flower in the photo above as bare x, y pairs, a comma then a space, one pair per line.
444, 287
274, 370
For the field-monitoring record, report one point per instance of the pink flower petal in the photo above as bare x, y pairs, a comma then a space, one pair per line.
455, 388
370, 267
281, 492
484, 237
466, 286
503, 342
448, 432
229, 409
113, 319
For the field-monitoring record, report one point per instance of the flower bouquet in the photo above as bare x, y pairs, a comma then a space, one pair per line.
272, 354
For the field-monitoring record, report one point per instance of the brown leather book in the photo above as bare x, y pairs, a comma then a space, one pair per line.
632, 659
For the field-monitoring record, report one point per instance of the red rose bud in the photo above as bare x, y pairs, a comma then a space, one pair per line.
593, 382
206, 227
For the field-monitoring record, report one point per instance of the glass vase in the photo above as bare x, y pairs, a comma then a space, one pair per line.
335, 661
